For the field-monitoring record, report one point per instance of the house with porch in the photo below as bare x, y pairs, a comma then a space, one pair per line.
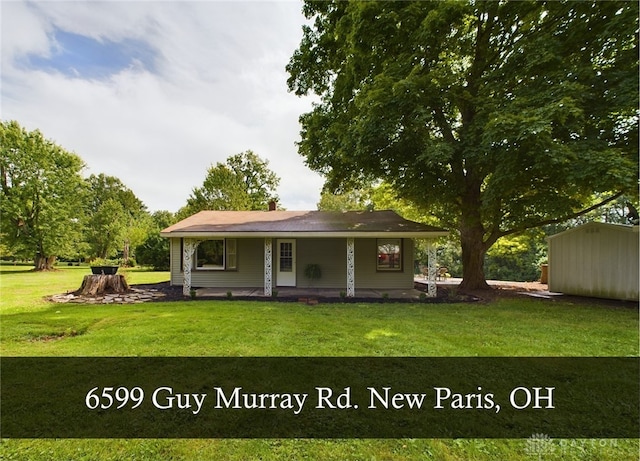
353, 250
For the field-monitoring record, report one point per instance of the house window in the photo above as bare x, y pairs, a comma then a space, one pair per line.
210, 255
232, 258
218, 254
389, 255
286, 257
207, 255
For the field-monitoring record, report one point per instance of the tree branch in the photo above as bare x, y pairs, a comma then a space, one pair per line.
443, 124
561, 219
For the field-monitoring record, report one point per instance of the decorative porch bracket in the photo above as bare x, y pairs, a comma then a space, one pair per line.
188, 249
351, 268
268, 267
431, 269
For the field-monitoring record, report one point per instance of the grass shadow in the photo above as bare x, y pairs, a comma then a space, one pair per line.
5, 271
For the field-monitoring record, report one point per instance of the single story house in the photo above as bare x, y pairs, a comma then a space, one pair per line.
596, 259
242, 249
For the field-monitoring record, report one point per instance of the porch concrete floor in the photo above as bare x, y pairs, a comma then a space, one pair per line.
286, 292
531, 288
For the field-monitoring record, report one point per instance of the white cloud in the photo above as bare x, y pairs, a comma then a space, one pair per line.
22, 32
217, 88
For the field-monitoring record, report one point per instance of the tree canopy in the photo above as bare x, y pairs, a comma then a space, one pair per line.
497, 117
243, 182
116, 218
40, 195
154, 251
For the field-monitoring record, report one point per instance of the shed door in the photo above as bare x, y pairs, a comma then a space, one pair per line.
286, 276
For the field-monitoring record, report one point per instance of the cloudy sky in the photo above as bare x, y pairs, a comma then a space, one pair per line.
154, 92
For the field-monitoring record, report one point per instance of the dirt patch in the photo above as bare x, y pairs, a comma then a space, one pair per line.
55, 336
536, 290
448, 294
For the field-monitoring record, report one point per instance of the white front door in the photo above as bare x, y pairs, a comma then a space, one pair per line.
286, 276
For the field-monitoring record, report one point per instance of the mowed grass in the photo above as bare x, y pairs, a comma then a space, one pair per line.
31, 326
253, 328
22, 290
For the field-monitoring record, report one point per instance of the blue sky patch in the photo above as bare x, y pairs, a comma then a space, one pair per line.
86, 57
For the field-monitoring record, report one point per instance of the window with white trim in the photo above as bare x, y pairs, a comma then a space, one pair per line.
216, 254
389, 254
232, 254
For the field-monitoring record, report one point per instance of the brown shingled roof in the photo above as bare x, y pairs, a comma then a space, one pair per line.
300, 223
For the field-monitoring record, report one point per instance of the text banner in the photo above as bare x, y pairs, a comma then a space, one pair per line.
319, 397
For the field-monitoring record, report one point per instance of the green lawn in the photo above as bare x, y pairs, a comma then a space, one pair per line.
31, 326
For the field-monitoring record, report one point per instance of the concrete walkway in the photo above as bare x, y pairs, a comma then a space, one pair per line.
456, 281
534, 289
361, 293
286, 292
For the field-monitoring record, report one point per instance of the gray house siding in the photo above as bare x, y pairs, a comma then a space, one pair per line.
596, 259
367, 275
331, 256
328, 253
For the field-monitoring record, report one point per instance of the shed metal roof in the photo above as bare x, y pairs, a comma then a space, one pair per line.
596, 224
300, 224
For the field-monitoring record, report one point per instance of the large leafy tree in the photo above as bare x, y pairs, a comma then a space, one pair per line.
154, 251
243, 182
351, 200
116, 218
495, 116
40, 195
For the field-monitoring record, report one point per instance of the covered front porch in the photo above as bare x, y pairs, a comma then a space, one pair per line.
365, 254
351, 268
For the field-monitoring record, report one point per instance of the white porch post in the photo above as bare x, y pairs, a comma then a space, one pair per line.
268, 266
351, 268
431, 269
188, 249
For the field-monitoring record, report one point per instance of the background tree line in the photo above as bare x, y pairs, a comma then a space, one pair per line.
49, 211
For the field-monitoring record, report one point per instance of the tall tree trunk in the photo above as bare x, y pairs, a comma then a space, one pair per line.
473, 251
472, 239
43, 263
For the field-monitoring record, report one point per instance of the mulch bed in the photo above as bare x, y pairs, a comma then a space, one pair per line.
505, 291
171, 293
445, 294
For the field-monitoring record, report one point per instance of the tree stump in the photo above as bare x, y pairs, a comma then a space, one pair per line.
93, 285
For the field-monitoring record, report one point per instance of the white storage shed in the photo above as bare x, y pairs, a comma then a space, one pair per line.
596, 259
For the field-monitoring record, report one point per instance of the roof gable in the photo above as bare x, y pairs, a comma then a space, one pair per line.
596, 225
329, 223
